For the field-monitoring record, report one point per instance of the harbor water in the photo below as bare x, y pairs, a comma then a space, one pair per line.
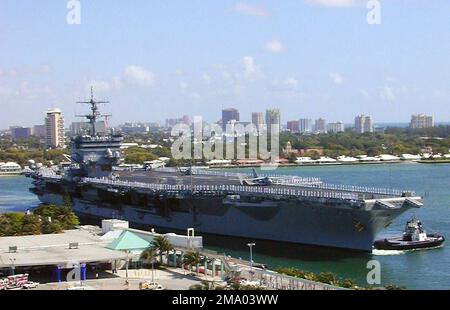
429, 269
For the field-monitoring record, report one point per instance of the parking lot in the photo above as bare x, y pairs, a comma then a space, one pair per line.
170, 279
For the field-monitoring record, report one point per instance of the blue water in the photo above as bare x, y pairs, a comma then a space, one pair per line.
428, 269
14, 194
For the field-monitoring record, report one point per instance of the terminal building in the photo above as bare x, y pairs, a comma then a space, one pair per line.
113, 246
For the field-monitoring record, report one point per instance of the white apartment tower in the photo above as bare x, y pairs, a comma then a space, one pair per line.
420, 121
363, 124
306, 125
258, 119
273, 119
336, 127
54, 125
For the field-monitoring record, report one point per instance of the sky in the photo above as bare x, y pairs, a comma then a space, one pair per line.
158, 59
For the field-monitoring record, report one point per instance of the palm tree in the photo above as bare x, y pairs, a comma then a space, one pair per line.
162, 245
149, 255
192, 259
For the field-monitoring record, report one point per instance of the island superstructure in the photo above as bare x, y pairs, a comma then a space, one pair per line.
283, 208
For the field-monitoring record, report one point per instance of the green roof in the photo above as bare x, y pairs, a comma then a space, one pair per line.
129, 241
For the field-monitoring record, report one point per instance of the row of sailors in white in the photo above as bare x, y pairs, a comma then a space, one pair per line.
229, 188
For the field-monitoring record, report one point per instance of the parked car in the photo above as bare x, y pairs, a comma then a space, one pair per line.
159, 288
151, 286
30, 285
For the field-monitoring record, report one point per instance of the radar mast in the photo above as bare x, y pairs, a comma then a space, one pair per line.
95, 114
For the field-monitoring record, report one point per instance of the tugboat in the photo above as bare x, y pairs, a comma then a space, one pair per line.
414, 238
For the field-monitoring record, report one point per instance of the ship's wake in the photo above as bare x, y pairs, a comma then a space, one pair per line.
376, 252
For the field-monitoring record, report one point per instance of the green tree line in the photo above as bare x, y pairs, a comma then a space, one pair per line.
45, 219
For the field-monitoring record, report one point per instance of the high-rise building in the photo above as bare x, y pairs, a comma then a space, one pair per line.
258, 119
130, 128
187, 120
363, 124
229, 115
419, 121
293, 126
306, 125
273, 118
336, 127
320, 126
20, 132
54, 123
172, 122
39, 131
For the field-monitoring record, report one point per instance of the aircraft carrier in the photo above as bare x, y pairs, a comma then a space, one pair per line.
277, 208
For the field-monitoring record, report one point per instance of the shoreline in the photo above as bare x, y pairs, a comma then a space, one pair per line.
333, 164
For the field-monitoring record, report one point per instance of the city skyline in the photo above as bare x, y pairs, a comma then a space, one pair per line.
225, 54
232, 116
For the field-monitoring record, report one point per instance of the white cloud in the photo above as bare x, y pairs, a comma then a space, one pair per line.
337, 78
45, 69
25, 71
27, 92
184, 85
249, 9
116, 82
333, 3
207, 79
439, 93
138, 75
291, 82
364, 93
391, 79
387, 93
7, 92
99, 86
227, 75
251, 70
275, 47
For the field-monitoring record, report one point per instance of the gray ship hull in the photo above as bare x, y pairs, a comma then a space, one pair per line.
299, 223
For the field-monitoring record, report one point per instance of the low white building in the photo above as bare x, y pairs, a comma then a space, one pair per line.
365, 158
388, 157
110, 225
10, 168
345, 159
219, 162
128, 145
154, 164
304, 160
326, 160
410, 157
